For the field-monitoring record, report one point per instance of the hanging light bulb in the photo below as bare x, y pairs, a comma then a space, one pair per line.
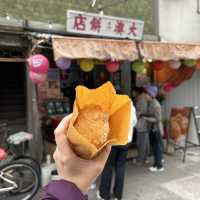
149, 60
50, 25
7, 17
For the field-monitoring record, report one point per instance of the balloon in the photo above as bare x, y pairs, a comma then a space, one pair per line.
158, 65
112, 66
138, 66
168, 87
63, 63
198, 64
86, 65
189, 62
165, 74
38, 64
174, 64
37, 78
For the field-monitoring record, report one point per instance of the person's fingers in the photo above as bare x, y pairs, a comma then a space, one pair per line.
60, 136
103, 156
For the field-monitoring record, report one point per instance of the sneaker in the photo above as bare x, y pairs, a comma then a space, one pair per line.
156, 169
161, 169
153, 169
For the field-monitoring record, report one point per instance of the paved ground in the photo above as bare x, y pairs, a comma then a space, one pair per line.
178, 182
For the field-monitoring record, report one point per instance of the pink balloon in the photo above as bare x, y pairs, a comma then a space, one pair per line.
168, 87
112, 66
38, 64
175, 64
37, 78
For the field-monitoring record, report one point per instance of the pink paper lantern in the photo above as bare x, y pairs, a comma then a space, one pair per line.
112, 66
37, 78
168, 87
38, 64
174, 64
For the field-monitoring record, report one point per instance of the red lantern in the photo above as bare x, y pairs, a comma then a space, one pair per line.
112, 66
3, 154
168, 87
198, 64
158, 65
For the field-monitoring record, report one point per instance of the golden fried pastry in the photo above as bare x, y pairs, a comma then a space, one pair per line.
92, 123
100, 117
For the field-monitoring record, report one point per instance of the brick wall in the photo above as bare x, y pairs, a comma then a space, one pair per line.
55, 10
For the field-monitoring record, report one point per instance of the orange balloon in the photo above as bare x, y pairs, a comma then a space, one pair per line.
164, 74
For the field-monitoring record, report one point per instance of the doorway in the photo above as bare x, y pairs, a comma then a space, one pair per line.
13, 95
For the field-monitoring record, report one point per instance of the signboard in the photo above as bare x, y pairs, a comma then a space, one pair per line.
102, 25
180, 123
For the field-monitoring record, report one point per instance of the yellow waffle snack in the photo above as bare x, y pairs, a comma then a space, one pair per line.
100, 117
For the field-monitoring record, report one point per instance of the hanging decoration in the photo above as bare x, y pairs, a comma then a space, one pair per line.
189, 62
165, 74
168, 87
138, 66
37, 78
112, 66
63, 63
198, 64
86, 65
174, 64
158, 65
38, 64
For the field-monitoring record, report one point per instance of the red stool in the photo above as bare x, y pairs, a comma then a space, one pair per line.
3, 154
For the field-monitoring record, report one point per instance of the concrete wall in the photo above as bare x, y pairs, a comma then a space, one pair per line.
179, 21
55, 10
187, 94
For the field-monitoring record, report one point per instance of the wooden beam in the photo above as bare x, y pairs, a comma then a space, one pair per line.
12, 59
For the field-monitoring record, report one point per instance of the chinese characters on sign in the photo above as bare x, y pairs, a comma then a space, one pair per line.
94, 24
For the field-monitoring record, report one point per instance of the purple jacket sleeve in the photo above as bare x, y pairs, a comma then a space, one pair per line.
62, 190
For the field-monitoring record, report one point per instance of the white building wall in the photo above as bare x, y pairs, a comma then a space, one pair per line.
179, 22
187, 94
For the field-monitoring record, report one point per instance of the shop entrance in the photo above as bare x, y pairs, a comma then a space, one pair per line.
13, 95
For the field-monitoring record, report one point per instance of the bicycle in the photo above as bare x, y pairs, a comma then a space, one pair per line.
19, 174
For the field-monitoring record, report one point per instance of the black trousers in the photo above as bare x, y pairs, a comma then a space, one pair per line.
157, 148
116, 162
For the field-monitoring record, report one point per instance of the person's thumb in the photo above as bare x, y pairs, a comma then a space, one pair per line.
103, 156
